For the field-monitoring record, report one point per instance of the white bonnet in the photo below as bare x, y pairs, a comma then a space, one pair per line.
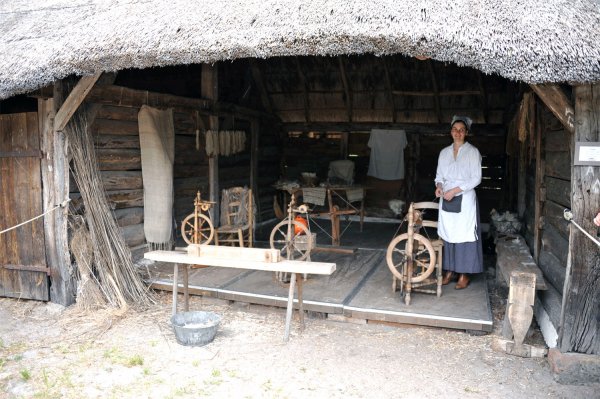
465, 119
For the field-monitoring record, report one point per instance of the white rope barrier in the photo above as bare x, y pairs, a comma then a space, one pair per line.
568, 215
61, 205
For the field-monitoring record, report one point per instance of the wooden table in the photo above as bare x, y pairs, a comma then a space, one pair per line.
297, 268
335, 194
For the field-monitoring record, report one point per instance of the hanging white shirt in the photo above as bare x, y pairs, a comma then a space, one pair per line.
386, 161
463, 172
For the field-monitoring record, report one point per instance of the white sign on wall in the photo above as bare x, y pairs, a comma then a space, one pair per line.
587, 153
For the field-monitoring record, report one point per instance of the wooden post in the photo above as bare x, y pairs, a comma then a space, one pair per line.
540, 191
254, 139
210, 90
558, 103
580, 330
55, 176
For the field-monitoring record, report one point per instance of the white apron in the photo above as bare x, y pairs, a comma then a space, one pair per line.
459, 227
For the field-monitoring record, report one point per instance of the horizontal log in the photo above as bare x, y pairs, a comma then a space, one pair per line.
183, 171
558, 190
557, 141
125, 198
133, 234
554, 243
554, 271
129, 216
115, 127
554, 215
123, 96
119, 159
551, 300
118, 113
116, 142
558, 164
423, 128
121, 180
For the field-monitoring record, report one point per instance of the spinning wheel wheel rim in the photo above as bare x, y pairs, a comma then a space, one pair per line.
397, 267
205, 232
278, 240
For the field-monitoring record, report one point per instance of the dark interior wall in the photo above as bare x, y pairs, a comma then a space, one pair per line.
556, 157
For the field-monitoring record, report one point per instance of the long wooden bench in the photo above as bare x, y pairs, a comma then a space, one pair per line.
241, 258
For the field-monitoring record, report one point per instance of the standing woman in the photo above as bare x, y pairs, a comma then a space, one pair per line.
458, 173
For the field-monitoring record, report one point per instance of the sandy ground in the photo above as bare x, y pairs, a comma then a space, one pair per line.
47, 351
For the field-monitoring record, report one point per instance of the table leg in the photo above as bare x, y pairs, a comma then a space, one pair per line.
290, 308
175, 284
300, 302
186, 287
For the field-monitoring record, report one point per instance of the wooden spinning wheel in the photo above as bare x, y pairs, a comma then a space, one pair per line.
197, 228
412, 257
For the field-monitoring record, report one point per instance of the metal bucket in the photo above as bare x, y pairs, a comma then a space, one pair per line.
195, 328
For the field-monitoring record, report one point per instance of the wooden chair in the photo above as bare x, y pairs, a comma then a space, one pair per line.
237, 219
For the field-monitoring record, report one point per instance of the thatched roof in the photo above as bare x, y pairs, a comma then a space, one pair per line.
534, 41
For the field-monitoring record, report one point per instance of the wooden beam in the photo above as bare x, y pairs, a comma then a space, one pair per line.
347, 93
423, 128
74, 100
540, 189
558, 103
260, 85
438, 108
55, 190
210, 90
433, 93
388, 88
304, 91
483, 97
254, 140
580, 329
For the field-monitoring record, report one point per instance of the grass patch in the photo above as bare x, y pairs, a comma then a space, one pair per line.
25, 374
135, 360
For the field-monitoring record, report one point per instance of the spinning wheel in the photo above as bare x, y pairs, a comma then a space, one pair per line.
197, 228
412, 257
292, 239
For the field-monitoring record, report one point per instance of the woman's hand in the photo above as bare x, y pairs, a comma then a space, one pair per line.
448, 195
597, 219
438, 192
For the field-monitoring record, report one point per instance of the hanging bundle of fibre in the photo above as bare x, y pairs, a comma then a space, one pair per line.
117, 276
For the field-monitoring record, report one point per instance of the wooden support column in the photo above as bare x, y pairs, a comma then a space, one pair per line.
540, 171
210, 90
436, 91
304, 91
254, 139
388, 89
558, 103
580, 329
55, 182
260, 85
347, 92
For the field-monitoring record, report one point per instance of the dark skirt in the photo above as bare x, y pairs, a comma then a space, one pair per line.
464, 257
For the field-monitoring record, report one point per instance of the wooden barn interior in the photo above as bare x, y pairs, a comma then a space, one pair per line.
299, 114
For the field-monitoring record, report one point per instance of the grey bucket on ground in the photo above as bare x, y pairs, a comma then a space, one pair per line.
195, 328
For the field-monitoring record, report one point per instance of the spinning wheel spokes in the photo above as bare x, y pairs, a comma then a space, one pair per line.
197, 229
422, 256
292, 246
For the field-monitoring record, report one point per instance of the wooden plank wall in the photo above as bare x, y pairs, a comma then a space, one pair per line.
555, 197
116, 138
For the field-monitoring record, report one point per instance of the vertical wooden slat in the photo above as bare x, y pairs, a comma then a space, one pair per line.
254, 137
540, 192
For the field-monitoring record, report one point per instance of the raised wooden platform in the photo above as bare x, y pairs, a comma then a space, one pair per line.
361, 287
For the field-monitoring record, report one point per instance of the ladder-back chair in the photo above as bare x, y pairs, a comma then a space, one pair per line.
237, 219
